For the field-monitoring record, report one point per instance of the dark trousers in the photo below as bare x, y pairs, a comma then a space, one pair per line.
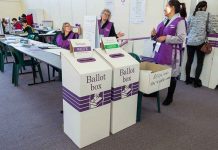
200, 60
172, 88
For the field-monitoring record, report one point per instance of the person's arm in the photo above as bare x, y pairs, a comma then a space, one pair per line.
188, 25
25, 29
154, 34
76, 36
19, 26
59, 40
30, 30
180, 34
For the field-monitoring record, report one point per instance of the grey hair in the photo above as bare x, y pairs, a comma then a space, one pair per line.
108, 11
64, 24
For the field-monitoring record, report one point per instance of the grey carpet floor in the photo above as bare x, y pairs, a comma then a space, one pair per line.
30, 119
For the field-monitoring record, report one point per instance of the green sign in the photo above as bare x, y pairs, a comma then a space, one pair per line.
111, 46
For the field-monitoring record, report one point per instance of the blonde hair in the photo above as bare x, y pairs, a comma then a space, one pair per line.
108, 11
64, 24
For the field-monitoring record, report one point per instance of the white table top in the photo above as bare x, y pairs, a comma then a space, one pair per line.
49, 55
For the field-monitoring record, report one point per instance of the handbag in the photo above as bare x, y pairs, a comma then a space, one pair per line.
206, 48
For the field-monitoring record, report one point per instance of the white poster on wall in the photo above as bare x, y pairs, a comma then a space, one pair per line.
137, 11
109, 4
90, 31
1, 28
214, 23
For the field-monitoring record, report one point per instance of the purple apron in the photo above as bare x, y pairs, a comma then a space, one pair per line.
165, 54
65, 43
106, 30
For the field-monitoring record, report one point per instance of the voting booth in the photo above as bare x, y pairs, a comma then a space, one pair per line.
86, 94
124, 85
213, 40
209, 72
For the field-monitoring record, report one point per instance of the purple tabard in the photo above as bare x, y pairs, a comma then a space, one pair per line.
164, 55
65, 43
106, 30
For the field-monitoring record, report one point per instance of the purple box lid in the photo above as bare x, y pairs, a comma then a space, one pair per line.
213, 35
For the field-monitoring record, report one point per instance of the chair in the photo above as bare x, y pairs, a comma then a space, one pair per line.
33, 36
135, 56
3, 56
1, 59
140, 94
54, 68
55, 36
20, 62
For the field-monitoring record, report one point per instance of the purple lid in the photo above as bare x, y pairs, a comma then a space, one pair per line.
213, 35
85, 60
116, 55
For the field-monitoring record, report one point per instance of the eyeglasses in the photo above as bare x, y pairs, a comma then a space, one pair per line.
106, 14
67, 26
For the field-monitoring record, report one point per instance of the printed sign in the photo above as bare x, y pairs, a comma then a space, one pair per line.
86, 102
110, 44
137, 11
214, 23
81, 48
90, 31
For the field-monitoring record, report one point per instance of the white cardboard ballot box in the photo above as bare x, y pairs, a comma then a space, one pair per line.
86, 98
154, 77
124, 88
81, 48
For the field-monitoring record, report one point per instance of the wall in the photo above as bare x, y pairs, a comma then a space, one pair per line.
10, 8
73, 11
212, 5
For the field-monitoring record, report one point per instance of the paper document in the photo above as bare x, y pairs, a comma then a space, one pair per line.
157, 47
137, 11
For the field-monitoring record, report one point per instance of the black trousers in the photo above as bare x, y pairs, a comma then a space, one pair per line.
172, 88
200, 60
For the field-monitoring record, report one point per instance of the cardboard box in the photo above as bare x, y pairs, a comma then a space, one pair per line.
86, 98
124, 88
154, 77
81, 48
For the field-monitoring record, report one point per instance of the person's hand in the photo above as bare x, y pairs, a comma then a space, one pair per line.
161, 39
120, 34
153, 32
79, 30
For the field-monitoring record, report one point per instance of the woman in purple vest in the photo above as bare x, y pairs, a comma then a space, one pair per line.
66, 34
170, 35
106, 28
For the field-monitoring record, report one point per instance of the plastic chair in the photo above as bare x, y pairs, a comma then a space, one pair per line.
1, 62
4, 53
135, 56
33, 36
20, 62
140, 95
54, 37
1, 59
54, 68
